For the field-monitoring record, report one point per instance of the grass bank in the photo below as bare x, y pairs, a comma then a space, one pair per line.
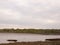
33, 43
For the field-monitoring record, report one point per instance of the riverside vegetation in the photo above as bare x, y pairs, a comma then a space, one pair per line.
33, 31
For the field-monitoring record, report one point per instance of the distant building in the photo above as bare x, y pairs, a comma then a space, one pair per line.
55, 39
12, 41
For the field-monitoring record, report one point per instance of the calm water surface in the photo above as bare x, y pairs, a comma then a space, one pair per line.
25, 37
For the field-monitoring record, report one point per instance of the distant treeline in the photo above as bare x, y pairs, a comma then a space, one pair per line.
33, 31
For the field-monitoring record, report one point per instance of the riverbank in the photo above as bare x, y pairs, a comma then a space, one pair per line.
34, 43
32, 31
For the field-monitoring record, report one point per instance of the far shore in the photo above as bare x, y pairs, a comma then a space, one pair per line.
32, 31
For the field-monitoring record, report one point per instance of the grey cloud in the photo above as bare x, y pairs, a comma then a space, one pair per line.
35, 15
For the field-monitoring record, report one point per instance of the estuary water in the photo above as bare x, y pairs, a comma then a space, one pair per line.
24, 37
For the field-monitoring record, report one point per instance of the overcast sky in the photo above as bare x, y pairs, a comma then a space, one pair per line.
30, 13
